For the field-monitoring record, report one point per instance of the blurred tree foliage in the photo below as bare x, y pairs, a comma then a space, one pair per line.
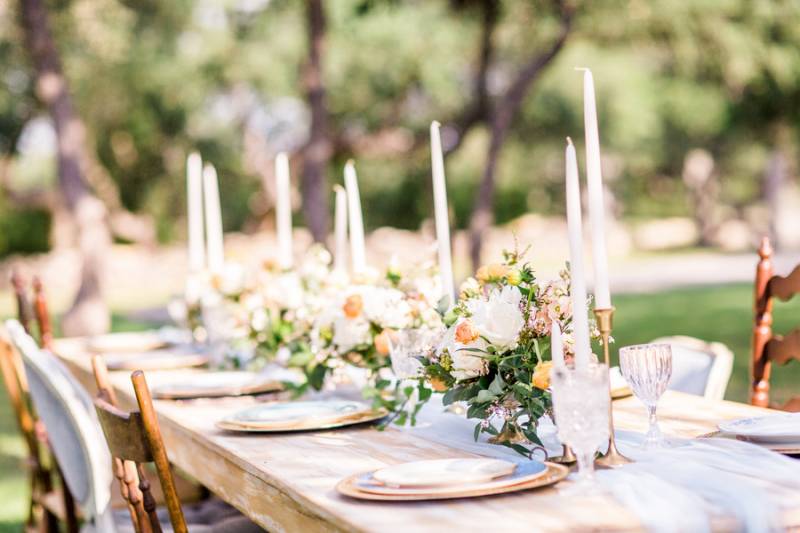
154, 80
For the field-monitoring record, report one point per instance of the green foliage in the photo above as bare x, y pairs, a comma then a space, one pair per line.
155, 80
24, 231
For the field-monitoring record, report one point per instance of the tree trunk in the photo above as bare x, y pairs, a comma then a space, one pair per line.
317, 151
88, 314
502, 115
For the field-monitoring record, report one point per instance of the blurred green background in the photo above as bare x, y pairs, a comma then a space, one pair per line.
154, 80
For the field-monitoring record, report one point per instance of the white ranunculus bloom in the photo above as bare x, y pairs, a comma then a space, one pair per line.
499, 320
350, 332
232, 280
386, 307
467, 362
286, 290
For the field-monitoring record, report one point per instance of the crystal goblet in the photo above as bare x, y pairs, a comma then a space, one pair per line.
580, 405
648, 368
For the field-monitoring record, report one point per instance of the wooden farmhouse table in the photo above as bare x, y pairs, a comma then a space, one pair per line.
286, 482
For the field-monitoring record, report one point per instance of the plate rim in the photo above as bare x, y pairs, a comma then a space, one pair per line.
557, 473
369, 416
266, 386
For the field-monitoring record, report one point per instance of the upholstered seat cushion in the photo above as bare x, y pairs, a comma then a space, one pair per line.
209, 516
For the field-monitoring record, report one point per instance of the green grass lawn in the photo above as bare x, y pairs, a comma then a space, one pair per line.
712, 313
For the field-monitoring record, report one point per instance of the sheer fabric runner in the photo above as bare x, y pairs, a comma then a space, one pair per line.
675, 489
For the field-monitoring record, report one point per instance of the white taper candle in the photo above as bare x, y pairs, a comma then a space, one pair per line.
441, 215
556, 345
594, 179
194, 200
283, 211
340, 229
216, 249
580, 311
356, 222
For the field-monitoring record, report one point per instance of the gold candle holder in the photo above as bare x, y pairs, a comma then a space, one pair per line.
612, 457
567, 456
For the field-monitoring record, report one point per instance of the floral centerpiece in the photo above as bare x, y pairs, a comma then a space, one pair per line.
495, 354
352, 334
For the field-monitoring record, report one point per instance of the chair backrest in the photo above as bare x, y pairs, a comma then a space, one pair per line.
136, 437
40, 310
23, 304
72, 427
767, 347
699, 367
17, 390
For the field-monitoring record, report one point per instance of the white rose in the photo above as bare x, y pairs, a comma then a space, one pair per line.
232, 279
499, 320
466, 358
386, 307
286, 290
350, 332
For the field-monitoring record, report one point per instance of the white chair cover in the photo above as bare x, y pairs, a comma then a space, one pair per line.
72, 428
699, 367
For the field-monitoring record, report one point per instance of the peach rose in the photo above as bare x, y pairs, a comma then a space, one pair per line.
353, 306
383, 341
437, 384
466, 332
541, 375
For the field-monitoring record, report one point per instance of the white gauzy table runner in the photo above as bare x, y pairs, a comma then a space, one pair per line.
675, 489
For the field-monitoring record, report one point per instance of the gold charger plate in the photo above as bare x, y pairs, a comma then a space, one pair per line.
553, 474
621, 392
784, 449
228, 383
310, 425
134, 341
154, 360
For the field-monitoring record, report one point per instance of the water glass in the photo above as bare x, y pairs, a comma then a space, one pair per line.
648, 368
580, 405
408, 344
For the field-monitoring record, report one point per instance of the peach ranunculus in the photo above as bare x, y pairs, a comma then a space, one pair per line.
353, 306
541, 375
491, 273
466, 332
383, 341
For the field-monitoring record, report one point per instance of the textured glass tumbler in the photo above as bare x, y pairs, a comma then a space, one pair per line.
648, 368
580, 405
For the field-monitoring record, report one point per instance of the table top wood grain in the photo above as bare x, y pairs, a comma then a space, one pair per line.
286, 482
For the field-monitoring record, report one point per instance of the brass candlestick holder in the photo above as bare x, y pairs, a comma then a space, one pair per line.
612, 457
567, 456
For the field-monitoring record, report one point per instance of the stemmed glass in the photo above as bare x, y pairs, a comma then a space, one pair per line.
408, 344
648, 368
580, 405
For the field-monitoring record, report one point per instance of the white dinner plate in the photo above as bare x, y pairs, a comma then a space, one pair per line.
523, 473
162, 359
774, 429
216, 384
443, 472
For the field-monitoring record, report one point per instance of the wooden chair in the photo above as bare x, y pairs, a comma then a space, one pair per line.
50, 500
699, 367
134, 439
767, 347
